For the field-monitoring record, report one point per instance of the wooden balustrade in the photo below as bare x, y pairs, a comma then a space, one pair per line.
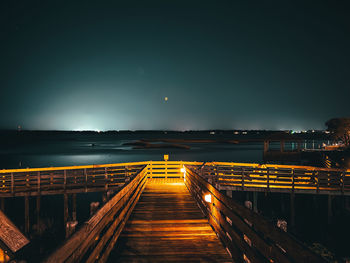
95, 239
276, 178
225, 176
58, 180
247, 236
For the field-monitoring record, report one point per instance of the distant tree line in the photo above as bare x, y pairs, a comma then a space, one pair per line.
340, 129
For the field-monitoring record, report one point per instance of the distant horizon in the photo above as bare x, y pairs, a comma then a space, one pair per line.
166, 130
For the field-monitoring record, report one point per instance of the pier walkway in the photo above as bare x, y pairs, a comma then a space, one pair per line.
166, 225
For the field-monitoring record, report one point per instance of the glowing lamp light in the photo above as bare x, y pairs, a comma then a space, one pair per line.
207, 198
183, 170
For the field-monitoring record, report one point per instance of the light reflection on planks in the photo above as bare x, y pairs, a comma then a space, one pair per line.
166, 225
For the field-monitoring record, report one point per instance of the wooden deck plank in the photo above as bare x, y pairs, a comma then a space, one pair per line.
10, 235
167, 226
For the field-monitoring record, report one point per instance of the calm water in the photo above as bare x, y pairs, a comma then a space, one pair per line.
42, 150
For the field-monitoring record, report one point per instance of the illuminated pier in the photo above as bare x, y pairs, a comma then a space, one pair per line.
150, 211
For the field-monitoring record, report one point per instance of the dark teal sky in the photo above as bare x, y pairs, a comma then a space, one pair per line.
223, 64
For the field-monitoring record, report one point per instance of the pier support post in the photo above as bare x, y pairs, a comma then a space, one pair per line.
282, 224
74, 207
315, 202
2, 204
104, 197
229, 193
255, 202
70, 228
329, 213
38, 203
26, 215
94, 207
299, 146
266, 146
65, 211
347, 203
292, 210
283, 205
282, 143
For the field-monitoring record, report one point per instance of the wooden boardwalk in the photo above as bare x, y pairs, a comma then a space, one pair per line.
166, 225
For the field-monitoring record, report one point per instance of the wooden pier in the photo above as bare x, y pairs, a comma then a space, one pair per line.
153, 216
167, 225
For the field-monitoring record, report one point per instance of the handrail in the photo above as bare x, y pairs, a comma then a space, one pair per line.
225, 175
44, 182
97, 237
247, 236
276, 178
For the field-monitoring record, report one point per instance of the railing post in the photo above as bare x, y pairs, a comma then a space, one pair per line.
12, 184
27, 181
86, 180
39, 177
215, 178
268, 179
242, 178
65, 180
166, 169
106, 179
292, 180
127, 178
181, 165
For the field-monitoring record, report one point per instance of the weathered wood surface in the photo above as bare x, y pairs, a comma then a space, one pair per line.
246, 234
10, 234
167, 225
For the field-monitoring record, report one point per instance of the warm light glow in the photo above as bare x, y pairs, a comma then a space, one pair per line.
166, 98
183, 170
207, 198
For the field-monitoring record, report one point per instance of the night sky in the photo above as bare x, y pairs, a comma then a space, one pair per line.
103, 65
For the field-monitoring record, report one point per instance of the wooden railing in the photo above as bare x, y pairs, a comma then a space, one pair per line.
224, 175
276, 178
248, 237
164, 169
94, 241
70, 179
